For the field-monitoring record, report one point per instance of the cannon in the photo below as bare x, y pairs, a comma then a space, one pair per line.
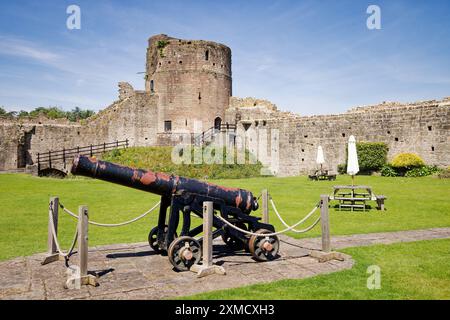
185, 196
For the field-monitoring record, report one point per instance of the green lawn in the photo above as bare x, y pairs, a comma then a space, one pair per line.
413, 203
416, 270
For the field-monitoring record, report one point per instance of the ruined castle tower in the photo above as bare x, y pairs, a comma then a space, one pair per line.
192, 79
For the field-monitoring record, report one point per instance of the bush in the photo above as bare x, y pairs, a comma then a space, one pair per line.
388, 171
422, 171
444, 174
372, 156
407, 161
342, 168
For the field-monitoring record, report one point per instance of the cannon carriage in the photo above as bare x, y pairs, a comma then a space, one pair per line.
181, 197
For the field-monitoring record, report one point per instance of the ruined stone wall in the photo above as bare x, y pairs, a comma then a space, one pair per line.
192, 79
132, 117
421, 128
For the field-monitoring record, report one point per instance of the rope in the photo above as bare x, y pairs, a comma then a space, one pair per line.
67, 254
286, 225
269, 234
113, 224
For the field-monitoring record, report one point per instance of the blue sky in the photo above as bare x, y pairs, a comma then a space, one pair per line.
310, 57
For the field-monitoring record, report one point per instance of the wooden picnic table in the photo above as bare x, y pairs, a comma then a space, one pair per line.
353, 197
322, 175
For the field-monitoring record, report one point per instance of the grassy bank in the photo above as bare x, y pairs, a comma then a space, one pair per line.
160, 159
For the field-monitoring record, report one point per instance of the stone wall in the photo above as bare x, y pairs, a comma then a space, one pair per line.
192, 79
421, 128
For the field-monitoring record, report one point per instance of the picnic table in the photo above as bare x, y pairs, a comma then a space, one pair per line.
355, 197
322, 175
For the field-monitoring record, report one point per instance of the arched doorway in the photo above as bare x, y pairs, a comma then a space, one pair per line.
217, 123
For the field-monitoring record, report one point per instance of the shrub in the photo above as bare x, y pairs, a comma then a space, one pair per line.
444, 174
407, 161
342, 168
422, 171
372, 156
388, 171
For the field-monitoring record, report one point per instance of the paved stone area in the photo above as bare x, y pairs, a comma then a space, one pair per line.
133, 271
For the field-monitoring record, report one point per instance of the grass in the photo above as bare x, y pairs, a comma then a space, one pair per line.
413, 203
417, 270
160, 159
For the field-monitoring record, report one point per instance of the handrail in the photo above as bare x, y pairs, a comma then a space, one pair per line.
62, 154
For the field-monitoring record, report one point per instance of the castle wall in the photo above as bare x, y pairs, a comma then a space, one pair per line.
132, 117
419, 128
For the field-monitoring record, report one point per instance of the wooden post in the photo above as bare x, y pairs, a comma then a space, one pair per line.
80, 275
83, 220
52, 251
207, 267
324, 220
207, 233
326, 254
265, 206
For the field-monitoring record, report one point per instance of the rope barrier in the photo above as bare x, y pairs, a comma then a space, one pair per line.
67, 254
286, 225
112, 224
269, 234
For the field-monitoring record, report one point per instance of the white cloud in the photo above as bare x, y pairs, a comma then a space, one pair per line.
21, 48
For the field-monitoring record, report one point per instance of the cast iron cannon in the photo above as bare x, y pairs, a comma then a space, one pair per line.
186, 196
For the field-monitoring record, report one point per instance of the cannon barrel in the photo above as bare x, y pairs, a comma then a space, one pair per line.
161, 183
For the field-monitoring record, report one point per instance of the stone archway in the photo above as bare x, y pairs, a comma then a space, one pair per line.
217, 123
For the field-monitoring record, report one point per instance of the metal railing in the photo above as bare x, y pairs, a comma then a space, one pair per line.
62, 155
207, 135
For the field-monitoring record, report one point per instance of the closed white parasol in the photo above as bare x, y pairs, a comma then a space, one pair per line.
352, 160
320, 159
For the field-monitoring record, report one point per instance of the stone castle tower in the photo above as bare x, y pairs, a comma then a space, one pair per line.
192, 79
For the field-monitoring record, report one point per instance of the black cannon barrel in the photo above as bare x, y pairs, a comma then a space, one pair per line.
161, 183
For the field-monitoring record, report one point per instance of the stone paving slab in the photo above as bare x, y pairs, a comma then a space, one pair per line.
134, 271
360, 240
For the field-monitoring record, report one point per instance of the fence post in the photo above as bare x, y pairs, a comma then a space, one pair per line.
91, 150
325, 223
126, 143
64, 155
52, 251
265, 206
81, 276
50, 159
39, 161
207, 267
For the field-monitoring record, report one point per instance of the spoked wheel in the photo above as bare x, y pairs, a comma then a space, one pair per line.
264, 248
184, 252
153, 238
231, 241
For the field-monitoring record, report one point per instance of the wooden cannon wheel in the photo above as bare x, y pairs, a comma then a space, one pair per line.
184, 252
264, 248
153, 238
